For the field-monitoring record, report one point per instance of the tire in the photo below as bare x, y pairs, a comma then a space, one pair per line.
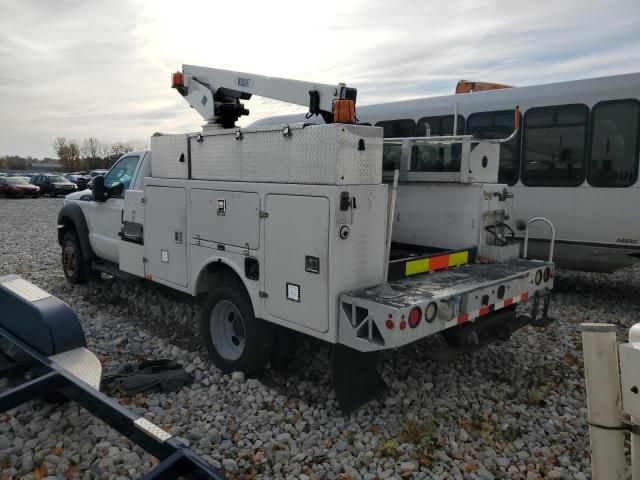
235, 338
73, 264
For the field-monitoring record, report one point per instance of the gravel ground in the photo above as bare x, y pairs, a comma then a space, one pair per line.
514, 410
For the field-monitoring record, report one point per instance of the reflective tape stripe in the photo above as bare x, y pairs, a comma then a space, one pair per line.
485, 309
431, 264
459, 258
438, 263
416, 266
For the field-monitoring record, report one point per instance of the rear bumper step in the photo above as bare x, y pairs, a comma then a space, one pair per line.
419, 306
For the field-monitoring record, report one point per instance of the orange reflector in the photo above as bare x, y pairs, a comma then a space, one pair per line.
516, 120
177, 81
344, 111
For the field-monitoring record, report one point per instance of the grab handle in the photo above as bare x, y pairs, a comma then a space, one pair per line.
553, 235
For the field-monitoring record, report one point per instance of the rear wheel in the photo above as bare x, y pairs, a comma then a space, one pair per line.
235, 338
73, 264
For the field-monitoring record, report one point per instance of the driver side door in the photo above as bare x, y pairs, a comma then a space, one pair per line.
104, 219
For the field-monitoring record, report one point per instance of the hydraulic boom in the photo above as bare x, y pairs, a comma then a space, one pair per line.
216, 94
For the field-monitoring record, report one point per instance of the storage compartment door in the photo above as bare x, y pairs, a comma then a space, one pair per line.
296, 260
165, 234
131, 248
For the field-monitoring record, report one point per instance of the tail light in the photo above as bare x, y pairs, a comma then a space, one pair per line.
547, 274
415, 315
390, 324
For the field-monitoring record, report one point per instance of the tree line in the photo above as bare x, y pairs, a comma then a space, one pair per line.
16, 162
91, 153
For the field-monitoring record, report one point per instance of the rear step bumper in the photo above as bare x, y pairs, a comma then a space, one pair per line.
370, 320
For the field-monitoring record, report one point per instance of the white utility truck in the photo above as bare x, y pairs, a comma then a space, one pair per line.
293, 226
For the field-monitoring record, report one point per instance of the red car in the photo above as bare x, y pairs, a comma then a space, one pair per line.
17, 187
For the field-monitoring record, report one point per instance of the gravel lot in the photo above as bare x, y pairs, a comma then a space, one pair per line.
514, 410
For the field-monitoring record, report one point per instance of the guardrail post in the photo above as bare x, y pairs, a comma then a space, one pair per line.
604, 410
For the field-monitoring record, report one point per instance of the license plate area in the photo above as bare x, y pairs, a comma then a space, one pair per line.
451, 308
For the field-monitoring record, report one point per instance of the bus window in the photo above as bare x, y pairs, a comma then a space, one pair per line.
428, 158
395, 129
614, 144
554, 146
499, 125
442, 125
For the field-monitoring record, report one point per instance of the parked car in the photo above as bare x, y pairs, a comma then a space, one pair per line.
17, 187
54, 185
95, 173
79, 179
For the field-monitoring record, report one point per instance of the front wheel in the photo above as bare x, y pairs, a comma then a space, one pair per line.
73, 264
235, 338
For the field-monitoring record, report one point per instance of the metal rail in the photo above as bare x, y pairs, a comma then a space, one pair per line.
553, 236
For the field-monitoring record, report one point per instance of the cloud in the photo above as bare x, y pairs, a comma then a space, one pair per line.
80, 69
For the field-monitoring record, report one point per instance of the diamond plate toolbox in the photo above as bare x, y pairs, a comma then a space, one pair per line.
170, 156
334, 154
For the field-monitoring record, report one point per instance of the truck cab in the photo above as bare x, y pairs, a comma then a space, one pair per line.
104, 218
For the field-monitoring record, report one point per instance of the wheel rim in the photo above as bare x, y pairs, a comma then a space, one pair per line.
226, 325
69, 258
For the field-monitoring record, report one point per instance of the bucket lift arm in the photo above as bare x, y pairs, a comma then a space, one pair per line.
216, 93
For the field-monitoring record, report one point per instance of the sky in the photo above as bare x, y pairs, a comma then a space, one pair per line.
79, 69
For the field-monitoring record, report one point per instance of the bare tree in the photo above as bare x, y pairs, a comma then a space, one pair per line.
118, 149
105, 155
61, 147
68, 152
91, 151
74, 156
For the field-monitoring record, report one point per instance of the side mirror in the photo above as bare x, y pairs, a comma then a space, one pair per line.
98, 191
116, 189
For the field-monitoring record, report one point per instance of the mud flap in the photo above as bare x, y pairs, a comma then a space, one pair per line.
356, 380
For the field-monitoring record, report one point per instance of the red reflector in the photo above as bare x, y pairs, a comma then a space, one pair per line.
547, 274
403, 325
389, 323
415, 315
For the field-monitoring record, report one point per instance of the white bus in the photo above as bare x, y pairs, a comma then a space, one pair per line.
575, 160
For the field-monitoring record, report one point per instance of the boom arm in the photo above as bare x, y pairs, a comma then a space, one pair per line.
216, 93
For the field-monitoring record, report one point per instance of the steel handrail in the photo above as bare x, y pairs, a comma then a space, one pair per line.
553, 235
